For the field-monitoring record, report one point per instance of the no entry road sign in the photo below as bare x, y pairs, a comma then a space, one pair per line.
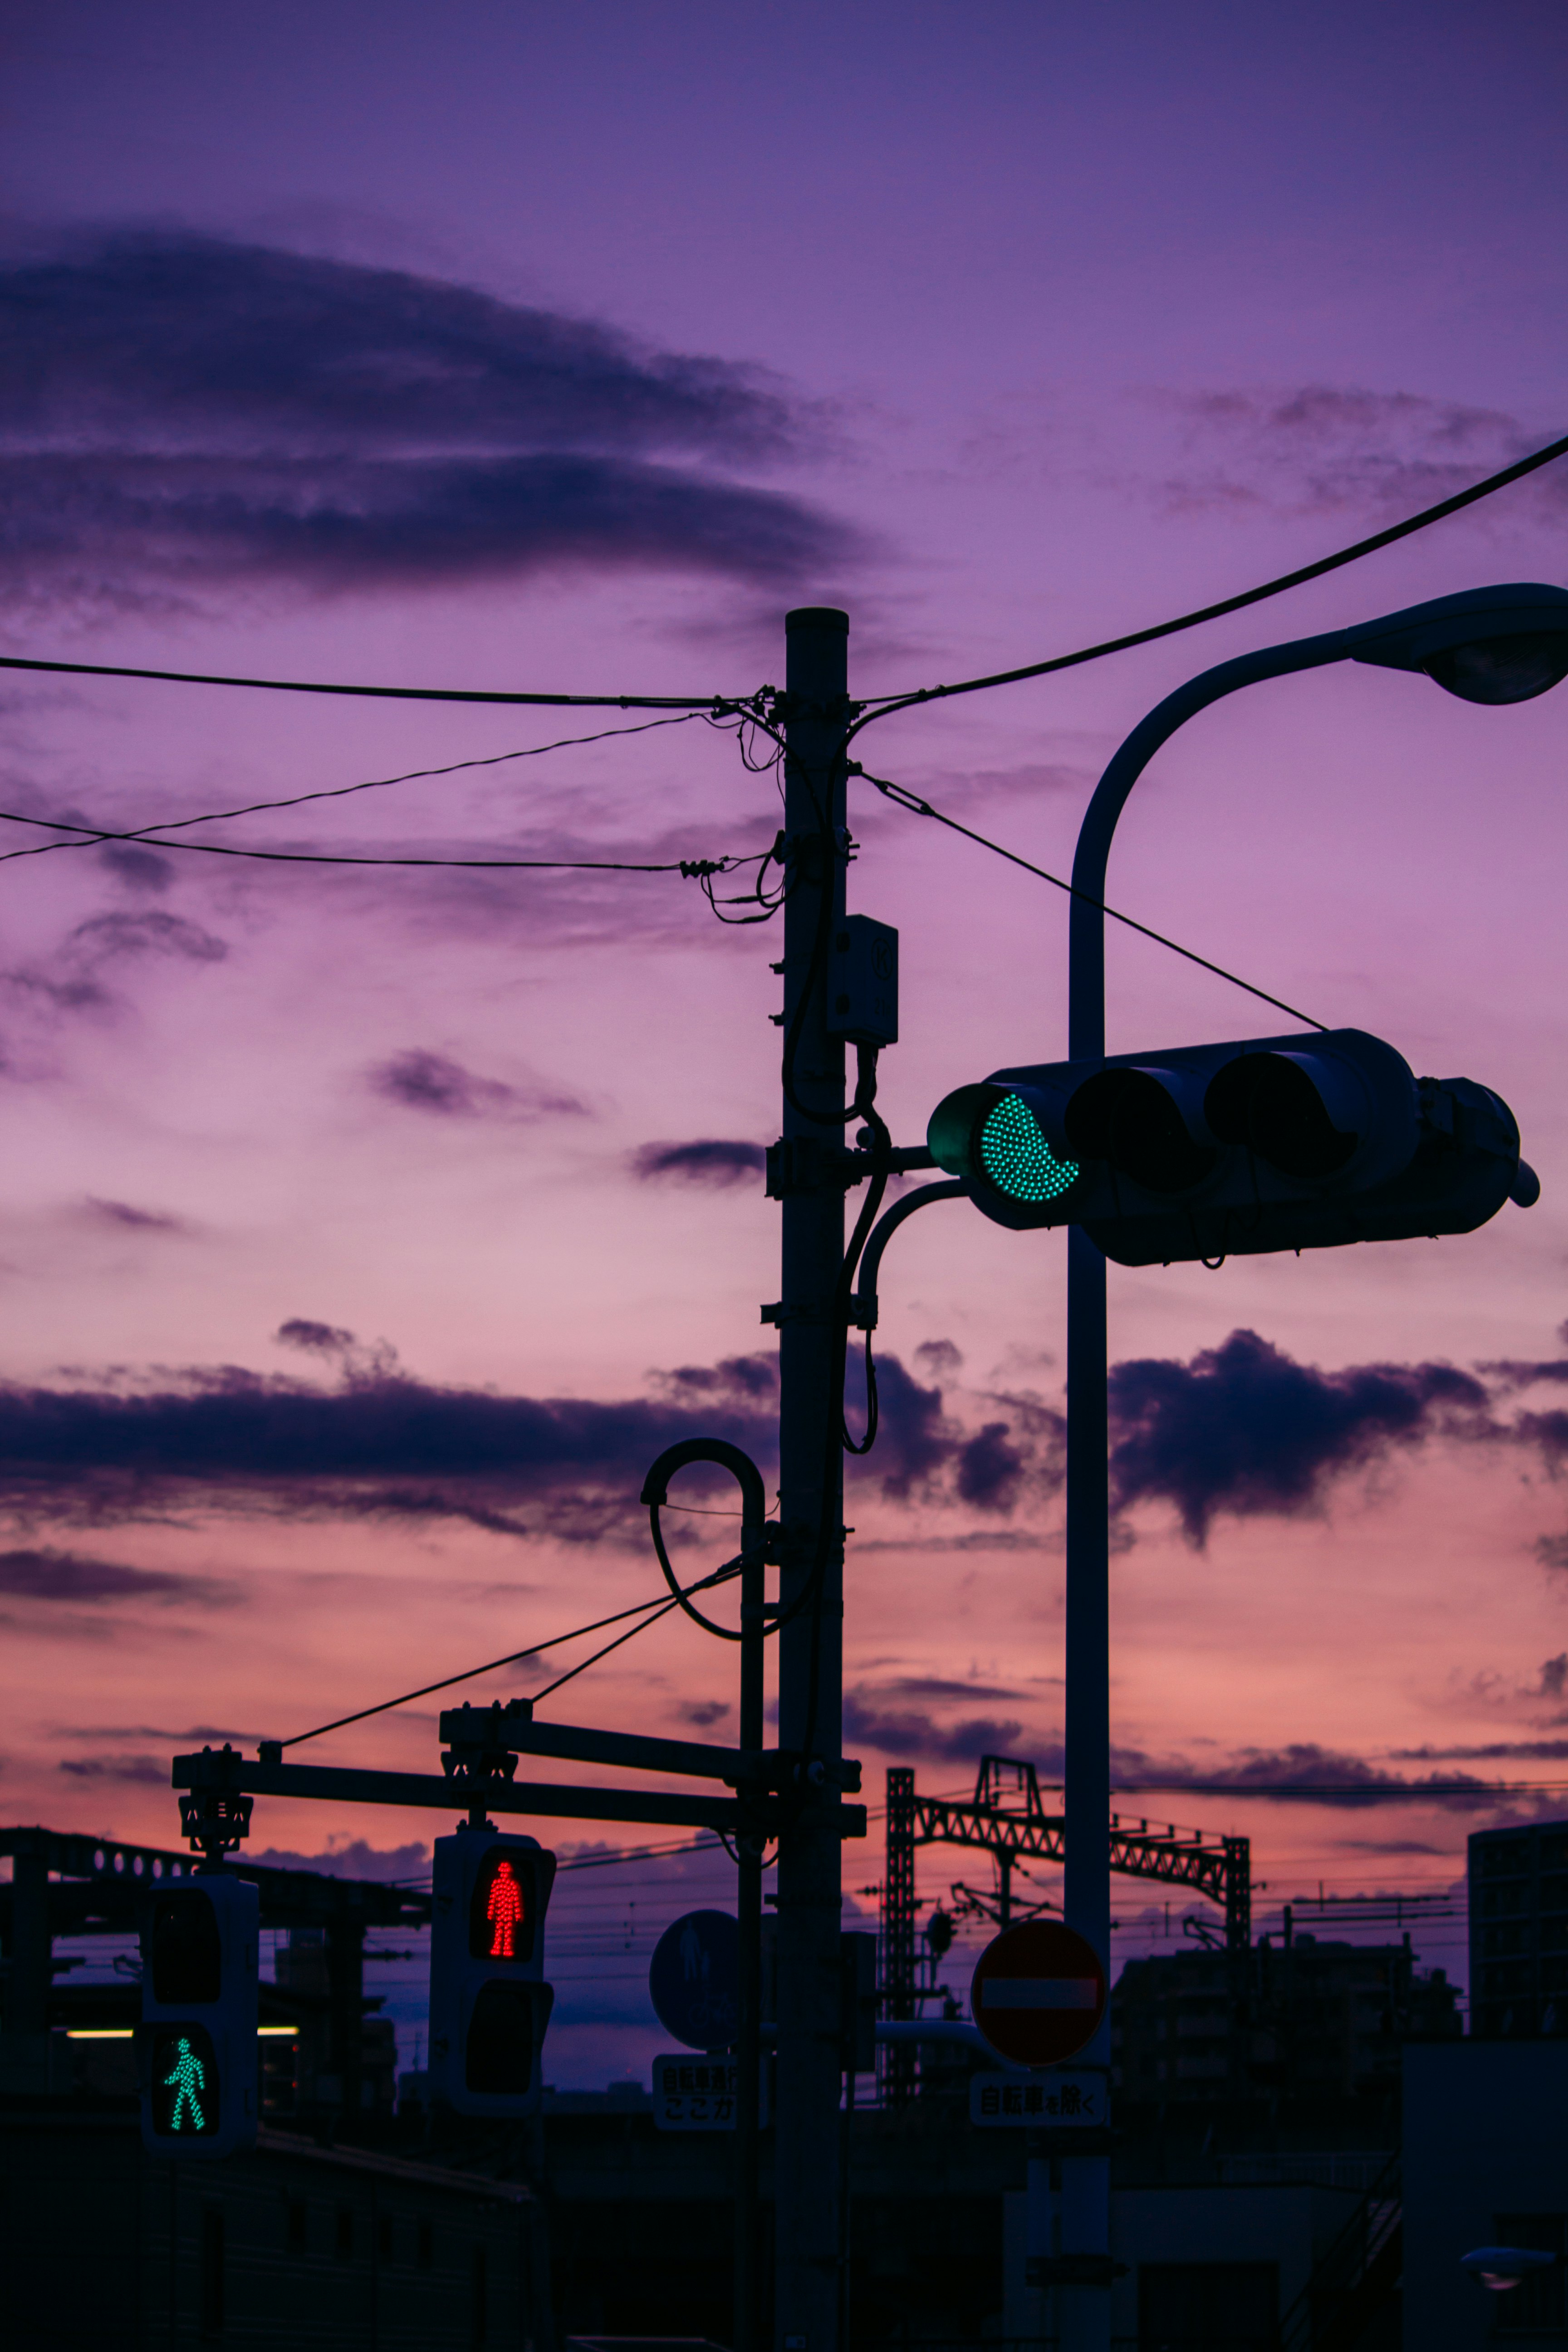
1038, 1993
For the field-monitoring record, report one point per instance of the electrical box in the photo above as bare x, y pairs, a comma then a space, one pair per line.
863, 981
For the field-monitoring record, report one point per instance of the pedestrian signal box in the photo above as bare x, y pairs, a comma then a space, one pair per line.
1214, 1152
489, 2005
197, 2046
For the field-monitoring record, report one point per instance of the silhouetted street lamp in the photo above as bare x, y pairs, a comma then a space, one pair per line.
1491, 646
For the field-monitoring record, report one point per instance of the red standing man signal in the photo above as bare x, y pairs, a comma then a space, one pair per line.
504, 1912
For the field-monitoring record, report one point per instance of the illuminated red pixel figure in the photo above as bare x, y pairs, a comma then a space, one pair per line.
504, 1912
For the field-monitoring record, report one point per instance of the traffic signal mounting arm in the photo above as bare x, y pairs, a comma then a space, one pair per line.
493, 1737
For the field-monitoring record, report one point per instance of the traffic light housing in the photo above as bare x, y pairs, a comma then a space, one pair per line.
1211, 1151
197, 2046
489, 2002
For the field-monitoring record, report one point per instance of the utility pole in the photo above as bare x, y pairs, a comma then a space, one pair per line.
811, 1494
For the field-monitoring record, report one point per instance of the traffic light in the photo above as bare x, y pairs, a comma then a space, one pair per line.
1214, 1152
197, 2046
489, 2002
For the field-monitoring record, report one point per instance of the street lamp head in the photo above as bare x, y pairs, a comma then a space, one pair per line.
1487, 644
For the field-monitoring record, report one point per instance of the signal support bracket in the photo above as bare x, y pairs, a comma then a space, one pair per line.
213, 1815
484, 1743
549, 1800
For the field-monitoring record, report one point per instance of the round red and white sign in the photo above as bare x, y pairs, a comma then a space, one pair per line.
1038, 1992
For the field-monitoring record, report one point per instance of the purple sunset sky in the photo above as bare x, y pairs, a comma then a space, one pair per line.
352, 1269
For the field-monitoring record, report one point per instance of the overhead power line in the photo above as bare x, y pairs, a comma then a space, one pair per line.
692, 702
374, 783
873, 706
88, 836
658, 1606
882, 705
903, 798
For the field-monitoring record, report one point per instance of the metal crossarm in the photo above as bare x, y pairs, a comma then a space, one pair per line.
220, 1770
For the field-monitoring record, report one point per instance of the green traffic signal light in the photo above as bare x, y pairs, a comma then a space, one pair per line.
1017, 1156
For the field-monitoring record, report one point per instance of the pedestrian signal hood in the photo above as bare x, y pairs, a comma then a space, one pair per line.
489, 2003
1213, 1151
197, 2047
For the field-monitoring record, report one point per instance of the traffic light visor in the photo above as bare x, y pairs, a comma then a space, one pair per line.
506, 2027
1297, 1111
187, 1948
186, 2088
1148, 1123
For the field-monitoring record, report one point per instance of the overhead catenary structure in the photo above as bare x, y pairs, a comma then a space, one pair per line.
1007, 1818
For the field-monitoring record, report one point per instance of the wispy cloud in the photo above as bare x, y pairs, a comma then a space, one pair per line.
138, 1771
126, 1214
1325, 449
871, 1721
72, 1578
78, 978
711, 1163
422, 1081
190, 410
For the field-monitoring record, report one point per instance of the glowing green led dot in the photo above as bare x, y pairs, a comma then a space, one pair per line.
1017, 1156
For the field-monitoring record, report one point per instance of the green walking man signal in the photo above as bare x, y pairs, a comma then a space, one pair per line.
188, 2078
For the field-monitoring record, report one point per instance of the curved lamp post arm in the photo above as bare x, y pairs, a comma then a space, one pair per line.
1501, 645
865, 1299
1086, 932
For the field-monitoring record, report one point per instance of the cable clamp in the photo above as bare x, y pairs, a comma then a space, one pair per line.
783, 1312
801, 1164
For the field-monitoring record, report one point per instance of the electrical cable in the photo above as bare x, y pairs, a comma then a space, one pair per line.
512, 1658
885, 705
836, 1435
871, 707
903, 798
415, 775
572, 1672
698, 868
692, 702
870, 1207
372, 784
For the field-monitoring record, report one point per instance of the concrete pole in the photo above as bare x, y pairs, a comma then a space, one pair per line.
810, 1499
749, 1919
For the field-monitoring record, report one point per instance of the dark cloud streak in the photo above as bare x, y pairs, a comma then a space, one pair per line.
418, 1080
1245, 1429
183, 408
711, 1161
73, 1578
